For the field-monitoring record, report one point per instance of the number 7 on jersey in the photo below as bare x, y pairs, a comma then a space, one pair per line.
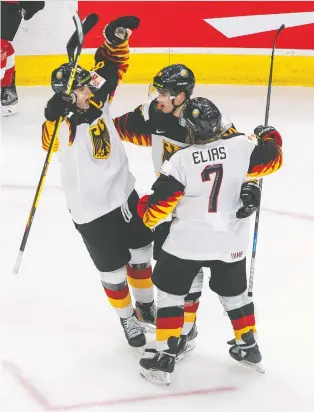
206, 177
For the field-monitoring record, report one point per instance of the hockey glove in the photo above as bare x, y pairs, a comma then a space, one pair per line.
116, 31
268, 132
251, 197
59, 105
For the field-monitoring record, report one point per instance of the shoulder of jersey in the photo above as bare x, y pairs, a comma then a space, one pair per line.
180, 151
231, 135
168, 165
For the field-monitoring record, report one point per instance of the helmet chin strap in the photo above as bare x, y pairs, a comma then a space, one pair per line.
175, 107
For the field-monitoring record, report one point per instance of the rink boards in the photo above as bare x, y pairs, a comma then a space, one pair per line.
223, 42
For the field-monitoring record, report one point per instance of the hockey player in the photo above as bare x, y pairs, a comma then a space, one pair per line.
12, 13
156, 123
96, 179
202, 183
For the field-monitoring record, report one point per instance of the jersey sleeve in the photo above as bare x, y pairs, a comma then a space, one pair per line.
132, 127
48, 128
266, 157
168, 190
46, 136
111, 64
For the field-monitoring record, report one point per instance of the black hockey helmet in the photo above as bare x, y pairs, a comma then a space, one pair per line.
60, 77
202, 119
175, 78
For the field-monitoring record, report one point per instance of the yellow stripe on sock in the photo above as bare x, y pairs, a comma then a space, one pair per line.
189, 317
120, 303
140, 283
238, 333
164, 334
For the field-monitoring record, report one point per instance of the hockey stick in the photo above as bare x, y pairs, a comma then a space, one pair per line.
72, 45
88, 23
270, 80
252, 268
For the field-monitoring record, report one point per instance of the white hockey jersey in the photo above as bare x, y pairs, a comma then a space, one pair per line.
95, 173
201, 184
205, 226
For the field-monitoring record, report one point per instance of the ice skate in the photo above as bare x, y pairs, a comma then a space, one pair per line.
186, 343
248, 353
146, 314
158, 368
9, 100
133, 331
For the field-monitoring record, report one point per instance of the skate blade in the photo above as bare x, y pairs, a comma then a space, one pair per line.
149, 353
149, 328
190, 346
157, 377
140, 350
258, 367
145, 326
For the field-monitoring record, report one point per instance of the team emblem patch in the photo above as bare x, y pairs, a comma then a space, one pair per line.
96, 81
59, 75
184, 73
195, 113
100, 140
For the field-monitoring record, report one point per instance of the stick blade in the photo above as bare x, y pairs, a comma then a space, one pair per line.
78, 36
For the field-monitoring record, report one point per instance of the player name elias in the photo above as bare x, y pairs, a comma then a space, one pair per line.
210, 155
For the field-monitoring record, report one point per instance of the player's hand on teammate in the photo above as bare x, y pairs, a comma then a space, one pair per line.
251, 197
264, 132
59, 105
116, 32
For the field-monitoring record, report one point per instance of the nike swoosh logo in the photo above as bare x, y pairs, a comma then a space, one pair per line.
245, 25
160, 131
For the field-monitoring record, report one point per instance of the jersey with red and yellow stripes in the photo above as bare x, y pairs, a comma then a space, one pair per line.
95, 174
201, 185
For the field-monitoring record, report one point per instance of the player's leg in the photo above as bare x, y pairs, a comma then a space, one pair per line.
228, 280
10, 21
9, 98
191, 301
173, 278
11, 18
139, 268
139, 271
104, 239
